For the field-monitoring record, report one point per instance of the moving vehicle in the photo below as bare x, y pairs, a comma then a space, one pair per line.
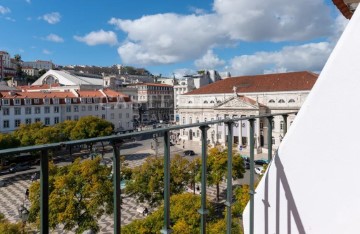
259, 170
20, 167
189, 153
260, 162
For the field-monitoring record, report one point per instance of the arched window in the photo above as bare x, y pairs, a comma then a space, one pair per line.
212, 102
197, 119
282, 125
189, 102
271, 101
273, 124
190, 122
218, 101
291, 101
205, 119
273, 140
281, 101
205, 102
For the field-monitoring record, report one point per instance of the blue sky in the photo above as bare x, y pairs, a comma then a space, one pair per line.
174, 36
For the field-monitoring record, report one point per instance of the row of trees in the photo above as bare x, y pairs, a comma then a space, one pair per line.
147, 181
38, 133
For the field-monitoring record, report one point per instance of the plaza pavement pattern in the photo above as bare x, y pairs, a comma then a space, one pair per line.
12, 195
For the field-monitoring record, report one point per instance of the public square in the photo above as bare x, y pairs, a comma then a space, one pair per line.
12, 195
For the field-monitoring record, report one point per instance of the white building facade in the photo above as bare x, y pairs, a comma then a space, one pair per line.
52, 107
245, 97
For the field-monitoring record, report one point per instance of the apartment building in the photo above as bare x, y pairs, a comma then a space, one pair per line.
31, 105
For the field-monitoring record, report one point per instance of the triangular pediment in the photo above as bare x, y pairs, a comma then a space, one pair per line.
238, 103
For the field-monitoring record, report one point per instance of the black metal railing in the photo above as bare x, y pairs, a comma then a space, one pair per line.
165, 132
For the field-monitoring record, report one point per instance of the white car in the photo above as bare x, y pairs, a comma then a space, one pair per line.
259, 170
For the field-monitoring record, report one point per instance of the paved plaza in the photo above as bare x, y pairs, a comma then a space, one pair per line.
12, 195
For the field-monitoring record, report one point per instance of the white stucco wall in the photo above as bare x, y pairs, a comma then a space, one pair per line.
313, 184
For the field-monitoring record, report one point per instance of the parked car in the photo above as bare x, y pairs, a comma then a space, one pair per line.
20, 167
259, 170
260, 162
189, 153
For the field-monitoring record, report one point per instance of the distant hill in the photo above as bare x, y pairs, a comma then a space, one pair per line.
111, 70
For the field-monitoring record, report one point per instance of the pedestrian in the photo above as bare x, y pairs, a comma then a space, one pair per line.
146, 211
27, 194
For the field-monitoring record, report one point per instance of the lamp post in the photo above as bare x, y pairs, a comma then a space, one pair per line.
156, 144
23, 215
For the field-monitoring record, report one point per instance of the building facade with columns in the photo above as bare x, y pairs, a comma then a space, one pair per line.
245, 96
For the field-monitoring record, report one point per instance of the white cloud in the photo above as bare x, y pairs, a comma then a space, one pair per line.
179, 73
197, 11
54, 38
51, 18
98, 37
28, 1
45, 51
209, 61
170, 38
10, 19
4, 10
155, 39
311, 57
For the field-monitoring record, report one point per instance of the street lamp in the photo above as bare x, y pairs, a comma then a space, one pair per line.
23, 215
156, 142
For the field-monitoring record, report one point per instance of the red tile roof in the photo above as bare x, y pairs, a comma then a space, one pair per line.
291, 81
343, 8
31, 87
22, 95
151, 84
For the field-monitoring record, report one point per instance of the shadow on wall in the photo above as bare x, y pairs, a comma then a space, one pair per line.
292, 211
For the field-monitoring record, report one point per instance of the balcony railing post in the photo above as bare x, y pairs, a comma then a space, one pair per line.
117, 191
166, 229
229, 192
252, 171
44, 192
285, 124
270, 119
203, 211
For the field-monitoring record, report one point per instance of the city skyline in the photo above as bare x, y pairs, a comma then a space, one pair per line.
174, 37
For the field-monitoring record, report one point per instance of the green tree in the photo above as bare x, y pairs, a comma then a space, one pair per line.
79, 194
217, 167
89, 127
184, 217
27, 133
9, 228
147, 180
19, 72
65, 129
8, 140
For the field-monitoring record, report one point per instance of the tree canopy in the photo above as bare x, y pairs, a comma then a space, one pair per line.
78, 195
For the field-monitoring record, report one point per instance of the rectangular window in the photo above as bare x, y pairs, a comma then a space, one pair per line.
68, 100
6, 111
96, 108
74, 100
6, 124
89, 100
89, 108
55, 100
46, 101
56, 120
83, 108
6, 102
76, 117
36, 101
17, 102
68, 108
37, 120
127, 115
27, 121
37, 110
28, 110
47, 109
47, 121
76, 108
103, 116
68, 117
56, 109
17, 123
27, 101
112, 116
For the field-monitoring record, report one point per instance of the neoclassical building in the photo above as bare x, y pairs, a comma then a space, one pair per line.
245, 96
